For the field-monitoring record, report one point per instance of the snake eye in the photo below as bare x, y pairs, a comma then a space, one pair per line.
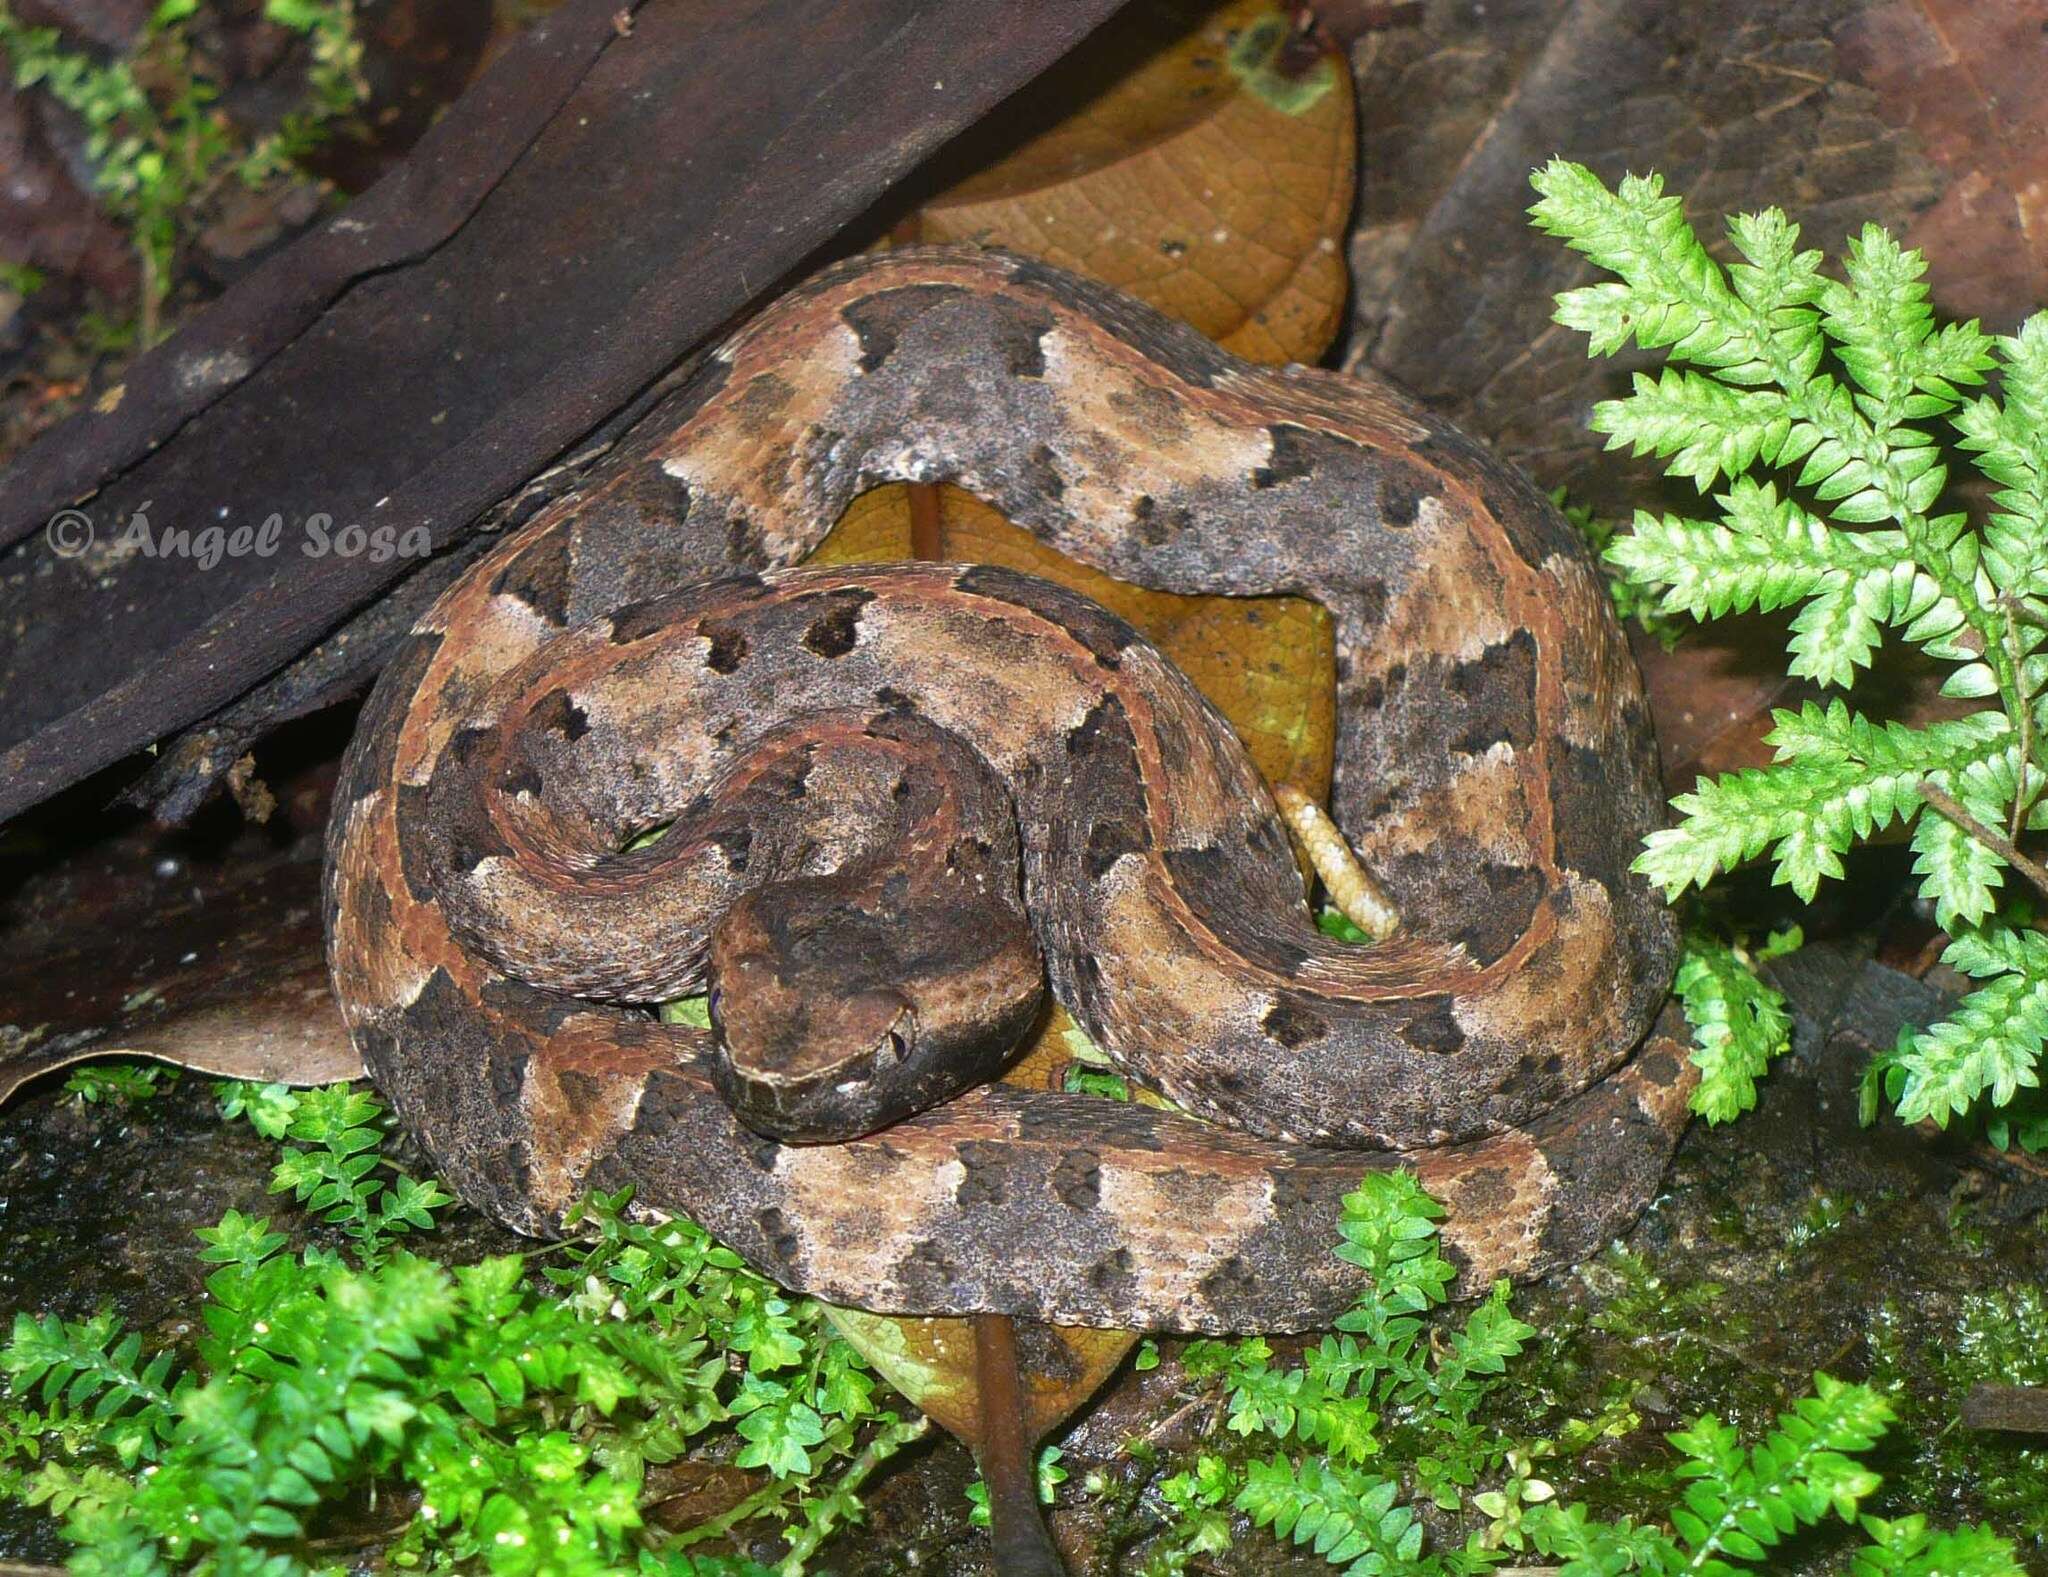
899, 1048
711, 1000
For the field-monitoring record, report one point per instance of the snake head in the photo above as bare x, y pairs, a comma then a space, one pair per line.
842, 1004
807, 1066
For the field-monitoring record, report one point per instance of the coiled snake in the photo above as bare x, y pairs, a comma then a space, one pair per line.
853, 764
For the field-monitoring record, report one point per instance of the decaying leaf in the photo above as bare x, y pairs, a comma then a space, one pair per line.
932, 1362
1903, 111
279, 1029
1199, 156
228, 978
1740, 106
1965, 76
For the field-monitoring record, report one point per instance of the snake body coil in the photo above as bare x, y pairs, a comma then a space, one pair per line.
852, 764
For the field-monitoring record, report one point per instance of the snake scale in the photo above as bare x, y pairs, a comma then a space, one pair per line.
854, 764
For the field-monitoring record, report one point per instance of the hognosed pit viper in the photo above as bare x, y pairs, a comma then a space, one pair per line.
854, 764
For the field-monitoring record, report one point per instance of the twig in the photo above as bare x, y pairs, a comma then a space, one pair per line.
2022, 1409
927, 523
1154, 1433
759, 1503
1938, 798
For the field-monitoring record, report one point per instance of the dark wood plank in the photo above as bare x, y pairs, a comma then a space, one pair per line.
697, 159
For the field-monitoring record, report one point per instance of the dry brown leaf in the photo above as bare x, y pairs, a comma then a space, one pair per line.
1965, 76
227, 977
1199, 156
932, 1362
276, 1027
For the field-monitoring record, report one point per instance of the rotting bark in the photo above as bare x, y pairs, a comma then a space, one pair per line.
606, 196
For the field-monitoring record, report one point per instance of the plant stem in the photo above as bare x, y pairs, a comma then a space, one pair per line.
152, 298
1023, 1547
1938, 798
2024, 720
887, 1442
803, 1543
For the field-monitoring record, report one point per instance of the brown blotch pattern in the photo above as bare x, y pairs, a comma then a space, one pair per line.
833, 632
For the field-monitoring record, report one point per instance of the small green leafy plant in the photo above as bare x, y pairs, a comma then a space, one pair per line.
20, 279
1739, 1023
512, 1420
160, 149
1932, 1361
1739, 1505
1369, 1401
1823, 409
1385, 1420
117, 1083
519, 1415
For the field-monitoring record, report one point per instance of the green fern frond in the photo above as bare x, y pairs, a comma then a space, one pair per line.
1739, 1024
1883, 329
2008, 441
1776, 280
1764, 553
1490, 1336
1755, 394
1849, 540
1739, 1505
1986, 951
1389, 1231
1587, 1548
1838, 780
1907, 1547
1989, 1045
338, 1177
1671, 296
1767, 552
1702, 427
1351, 1519
1957, 872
